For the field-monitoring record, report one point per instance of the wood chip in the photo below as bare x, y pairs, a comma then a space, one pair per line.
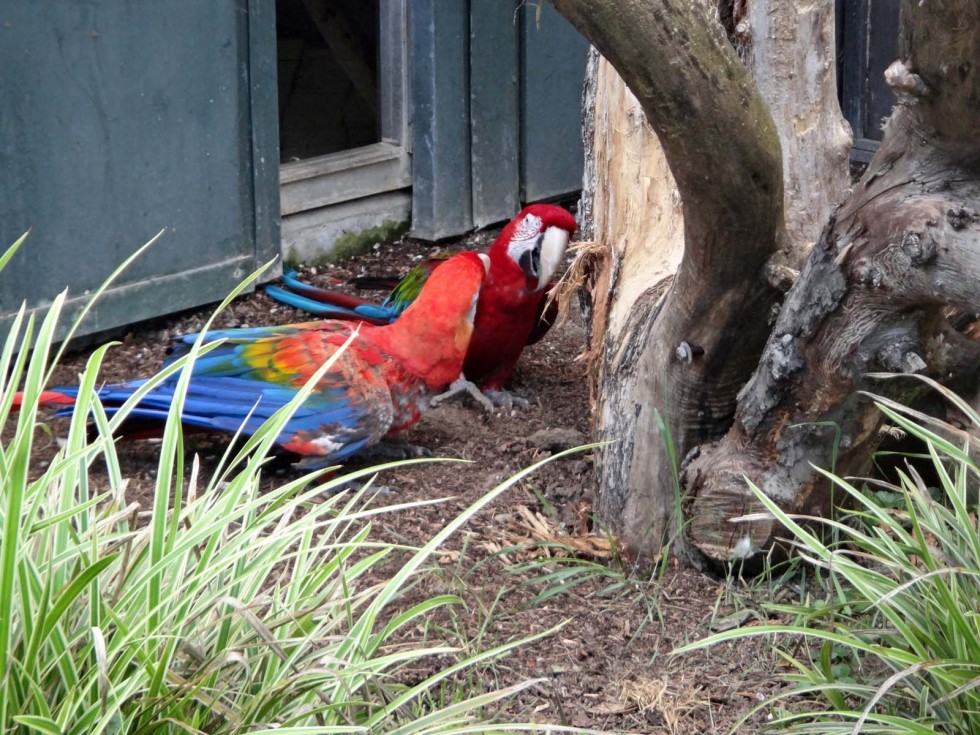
541, 529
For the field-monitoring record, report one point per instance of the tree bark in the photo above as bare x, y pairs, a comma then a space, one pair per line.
875, 295
650, 357
636, 215
684, 370
789, 49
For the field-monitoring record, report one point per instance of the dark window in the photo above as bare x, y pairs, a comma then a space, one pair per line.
328, 76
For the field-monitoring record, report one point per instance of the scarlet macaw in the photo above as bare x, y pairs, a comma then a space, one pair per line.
511, 309
378, 385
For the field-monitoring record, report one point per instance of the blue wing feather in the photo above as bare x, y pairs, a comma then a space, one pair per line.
240, 404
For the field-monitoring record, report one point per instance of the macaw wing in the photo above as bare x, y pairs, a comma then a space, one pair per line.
408, 288
337, 420
280, 355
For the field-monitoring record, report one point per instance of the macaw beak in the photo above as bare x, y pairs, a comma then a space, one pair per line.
541, 261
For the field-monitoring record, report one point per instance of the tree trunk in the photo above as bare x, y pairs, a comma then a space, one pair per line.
790, 51
729, 234
668, 356
901, 255
636, 216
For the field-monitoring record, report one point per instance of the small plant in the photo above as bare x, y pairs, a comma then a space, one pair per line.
229, 611
894, 646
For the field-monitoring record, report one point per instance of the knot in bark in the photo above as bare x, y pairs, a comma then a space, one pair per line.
866, 272
686, 352
919, 247
959, 218
903, 82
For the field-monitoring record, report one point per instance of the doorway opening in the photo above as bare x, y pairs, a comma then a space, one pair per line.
344, 136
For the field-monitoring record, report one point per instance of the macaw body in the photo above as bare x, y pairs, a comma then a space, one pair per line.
380, 384
513, 309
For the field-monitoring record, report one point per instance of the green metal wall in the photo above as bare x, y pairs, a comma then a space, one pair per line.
119, 118
497, 90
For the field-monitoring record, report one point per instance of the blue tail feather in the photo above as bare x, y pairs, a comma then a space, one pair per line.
319, 308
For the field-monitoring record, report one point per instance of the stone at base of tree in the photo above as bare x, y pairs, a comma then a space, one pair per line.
556, 440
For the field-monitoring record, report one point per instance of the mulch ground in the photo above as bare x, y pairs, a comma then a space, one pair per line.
610, 666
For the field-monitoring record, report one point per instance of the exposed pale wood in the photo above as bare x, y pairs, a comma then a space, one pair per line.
731, 190
789, 49
637, 215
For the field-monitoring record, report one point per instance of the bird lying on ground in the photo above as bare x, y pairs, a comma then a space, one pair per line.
380, 384
513, 309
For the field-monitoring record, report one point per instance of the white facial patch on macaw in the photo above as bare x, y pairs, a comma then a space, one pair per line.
528, 228
523, 243
538, 253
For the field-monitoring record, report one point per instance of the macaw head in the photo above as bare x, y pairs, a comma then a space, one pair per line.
535, 241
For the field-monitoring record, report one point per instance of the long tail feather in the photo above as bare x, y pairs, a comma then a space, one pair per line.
47, 398
366, 311
292, 282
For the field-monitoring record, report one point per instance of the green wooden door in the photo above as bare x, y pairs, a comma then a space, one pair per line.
119, 118
497, 94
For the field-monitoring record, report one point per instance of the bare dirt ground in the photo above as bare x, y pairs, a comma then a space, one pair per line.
610, 667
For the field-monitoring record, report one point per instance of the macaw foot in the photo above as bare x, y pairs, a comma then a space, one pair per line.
463, 387
506, 400
393, 452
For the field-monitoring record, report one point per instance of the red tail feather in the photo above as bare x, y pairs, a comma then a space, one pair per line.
47, 398
335, 298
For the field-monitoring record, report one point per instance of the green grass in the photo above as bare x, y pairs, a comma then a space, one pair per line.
889, 641
232, 610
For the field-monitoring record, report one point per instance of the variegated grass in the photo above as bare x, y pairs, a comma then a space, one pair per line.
233, 610
893, 646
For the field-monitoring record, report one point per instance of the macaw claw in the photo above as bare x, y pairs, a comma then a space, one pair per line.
487, 399
507, 400
460, 387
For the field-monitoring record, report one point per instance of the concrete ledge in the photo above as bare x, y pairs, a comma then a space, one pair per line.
326, 233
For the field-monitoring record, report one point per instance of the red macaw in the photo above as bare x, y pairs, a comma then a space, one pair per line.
512, 308
378, 385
